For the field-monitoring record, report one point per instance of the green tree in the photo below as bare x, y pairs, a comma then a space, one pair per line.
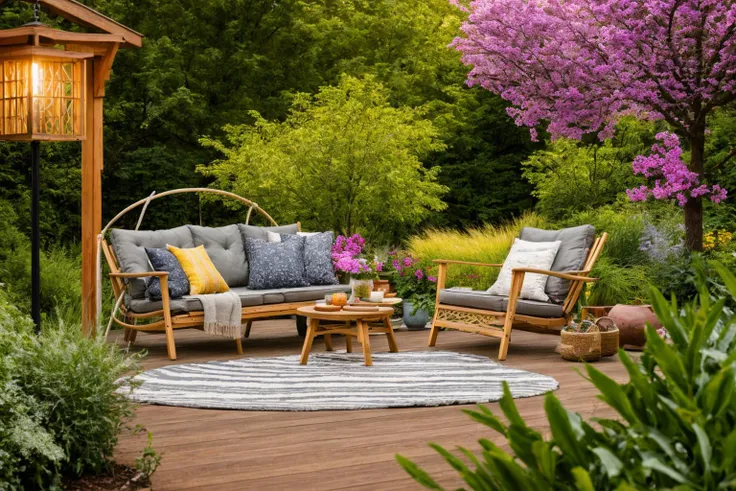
569, 175
343, 160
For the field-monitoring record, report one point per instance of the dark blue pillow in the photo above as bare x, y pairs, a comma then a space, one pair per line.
163, 260
275, 265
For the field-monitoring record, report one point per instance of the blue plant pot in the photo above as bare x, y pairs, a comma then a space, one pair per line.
417, 321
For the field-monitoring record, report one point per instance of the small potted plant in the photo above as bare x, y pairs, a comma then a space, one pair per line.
417, 289
348, 260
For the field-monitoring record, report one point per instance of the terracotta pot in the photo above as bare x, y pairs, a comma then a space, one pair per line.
631, 321
381, 286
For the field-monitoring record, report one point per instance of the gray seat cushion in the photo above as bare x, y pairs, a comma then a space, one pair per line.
130, 249
576, 242
224, 245
253, 232
482, 300
248, 298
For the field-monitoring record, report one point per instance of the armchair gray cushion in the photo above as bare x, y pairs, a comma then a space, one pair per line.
253, 232
224, 245
475, 299
130, 249
576, 242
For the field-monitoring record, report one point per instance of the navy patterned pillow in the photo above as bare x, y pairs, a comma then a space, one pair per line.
275, 265
163, 260
318, 268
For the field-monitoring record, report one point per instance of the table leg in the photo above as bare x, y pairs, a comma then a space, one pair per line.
348, 339
311, 330
363, 328
392, 346
328, 342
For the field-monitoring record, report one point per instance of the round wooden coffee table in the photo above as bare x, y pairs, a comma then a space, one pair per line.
349, 323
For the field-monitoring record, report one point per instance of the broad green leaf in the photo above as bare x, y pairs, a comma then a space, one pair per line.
612, 394
706, 451
417, 473
655, 464
611, 464
509, 407
562, 430
582, 479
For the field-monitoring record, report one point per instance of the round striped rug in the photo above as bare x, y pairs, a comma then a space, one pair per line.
335, 380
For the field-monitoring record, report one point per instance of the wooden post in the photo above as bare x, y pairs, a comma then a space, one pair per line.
92, 156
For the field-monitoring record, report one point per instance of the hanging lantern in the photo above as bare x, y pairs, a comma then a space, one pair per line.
41, 94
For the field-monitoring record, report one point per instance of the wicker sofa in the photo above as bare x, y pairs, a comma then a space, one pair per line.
129, 267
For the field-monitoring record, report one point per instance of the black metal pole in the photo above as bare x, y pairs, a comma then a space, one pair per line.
35, 236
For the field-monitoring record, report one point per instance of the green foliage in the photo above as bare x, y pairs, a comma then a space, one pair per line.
675, 425
342, 160
487, 244
60, 412
148, 462
570, 175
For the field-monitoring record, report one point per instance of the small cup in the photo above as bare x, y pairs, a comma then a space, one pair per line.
377, 297
328, 299
339, 299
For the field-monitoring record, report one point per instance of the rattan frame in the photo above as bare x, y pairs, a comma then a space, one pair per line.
162, 320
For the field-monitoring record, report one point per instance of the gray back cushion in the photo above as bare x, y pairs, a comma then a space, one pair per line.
130, 249
318, 267
253, 232
225, 247
576, 242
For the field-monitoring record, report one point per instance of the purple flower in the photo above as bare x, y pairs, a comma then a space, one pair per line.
419, 274
408, 261
432, 279
379, 266
395, 263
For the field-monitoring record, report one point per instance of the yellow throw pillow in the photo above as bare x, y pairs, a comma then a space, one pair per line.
202, 274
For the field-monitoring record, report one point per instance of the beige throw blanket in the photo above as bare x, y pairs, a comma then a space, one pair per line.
222, 314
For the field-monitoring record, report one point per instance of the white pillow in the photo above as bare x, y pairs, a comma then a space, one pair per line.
273, 237
525, 254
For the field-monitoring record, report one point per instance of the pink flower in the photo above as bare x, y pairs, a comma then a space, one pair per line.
672, 178
419, 274
379, 266
395, 263
432, 279
408, 261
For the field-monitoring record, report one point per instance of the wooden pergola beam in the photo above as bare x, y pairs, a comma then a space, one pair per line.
86, 17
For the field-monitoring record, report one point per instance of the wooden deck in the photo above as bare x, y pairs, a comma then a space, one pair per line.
225, 450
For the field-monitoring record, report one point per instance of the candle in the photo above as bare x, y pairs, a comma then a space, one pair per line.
377, 297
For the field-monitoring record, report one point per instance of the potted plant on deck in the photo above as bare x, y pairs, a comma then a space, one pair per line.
417, 288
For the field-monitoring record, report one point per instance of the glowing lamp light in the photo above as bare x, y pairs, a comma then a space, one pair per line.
42, 95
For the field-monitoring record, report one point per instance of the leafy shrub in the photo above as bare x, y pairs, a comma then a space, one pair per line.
487, 244
676, 417
568, 175
618, 284
64, 405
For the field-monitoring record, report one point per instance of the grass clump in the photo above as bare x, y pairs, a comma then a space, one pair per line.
486, 244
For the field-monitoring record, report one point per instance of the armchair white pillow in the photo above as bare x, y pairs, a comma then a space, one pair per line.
525, 254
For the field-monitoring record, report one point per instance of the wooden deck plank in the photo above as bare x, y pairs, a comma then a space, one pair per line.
331, 450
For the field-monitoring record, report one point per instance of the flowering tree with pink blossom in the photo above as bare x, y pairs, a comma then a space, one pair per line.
581, 64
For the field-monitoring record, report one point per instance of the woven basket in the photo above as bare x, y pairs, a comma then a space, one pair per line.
580, 346
609, 337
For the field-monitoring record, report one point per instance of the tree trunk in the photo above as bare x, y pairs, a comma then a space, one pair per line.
694, 206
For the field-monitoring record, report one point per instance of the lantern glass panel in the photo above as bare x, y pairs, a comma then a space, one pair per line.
42, 98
